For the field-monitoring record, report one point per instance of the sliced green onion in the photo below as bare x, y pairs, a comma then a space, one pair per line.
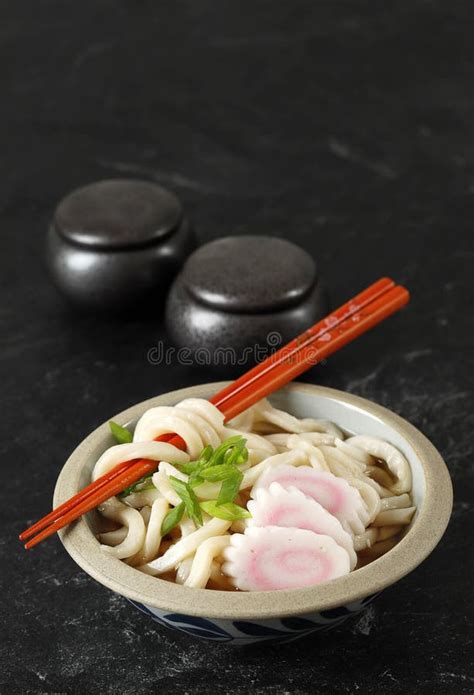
203, 459
188, 468
121, 434
206, 453
173, 518
242, 457
195, 480
215, 474
229, 488
238, 454
221, 451
232, 451
213, 466
228, 511
189, 498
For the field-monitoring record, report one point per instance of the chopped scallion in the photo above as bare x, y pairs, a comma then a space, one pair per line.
228, 511
173, 518
121, 434
189, 498
230, 487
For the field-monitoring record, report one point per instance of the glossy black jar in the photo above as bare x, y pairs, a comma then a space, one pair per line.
244, 294
117, 244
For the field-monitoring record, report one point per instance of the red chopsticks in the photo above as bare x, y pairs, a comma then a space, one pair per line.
342, 326
351, 320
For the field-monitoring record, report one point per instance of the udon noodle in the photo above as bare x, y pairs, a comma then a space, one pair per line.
309, 503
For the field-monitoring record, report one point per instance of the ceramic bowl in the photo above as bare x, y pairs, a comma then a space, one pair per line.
248, 617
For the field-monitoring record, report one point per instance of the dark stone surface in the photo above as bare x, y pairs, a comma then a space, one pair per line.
346, 128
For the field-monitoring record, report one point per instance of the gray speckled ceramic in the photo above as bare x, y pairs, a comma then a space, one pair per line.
238, 291
114, 244
240, 618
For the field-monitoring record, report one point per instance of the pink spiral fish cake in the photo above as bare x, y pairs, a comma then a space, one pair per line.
274, 557
291, 508
335, 494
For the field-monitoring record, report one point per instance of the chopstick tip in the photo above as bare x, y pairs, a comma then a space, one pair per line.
406, 293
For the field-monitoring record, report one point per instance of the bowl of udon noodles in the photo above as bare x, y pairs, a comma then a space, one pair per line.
285, 521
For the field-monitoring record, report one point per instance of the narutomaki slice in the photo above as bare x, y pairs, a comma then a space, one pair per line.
335, 494
277, 506
274, 557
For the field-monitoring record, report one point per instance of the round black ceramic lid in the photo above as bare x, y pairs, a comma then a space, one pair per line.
117, 213
249, 274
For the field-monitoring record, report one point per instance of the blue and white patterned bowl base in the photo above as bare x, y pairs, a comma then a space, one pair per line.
242, 632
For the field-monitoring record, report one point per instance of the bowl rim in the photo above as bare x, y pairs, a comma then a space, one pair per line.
424, 534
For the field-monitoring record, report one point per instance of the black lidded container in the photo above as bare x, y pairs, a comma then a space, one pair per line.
117, 244
245, 294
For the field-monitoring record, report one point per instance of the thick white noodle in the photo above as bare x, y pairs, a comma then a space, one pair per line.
186, 527
380, 476
354, 452
291, 458
264, 412
156, 451
290, 440
169, 469
369, 495
381, 491
396, 462
185, 547
199, 423
373, 535
338, 460
205, 409
133, 541
396, 502
394, 516
316, 458
114, 537
151, 545
183, 570
339, 465
216, 573
202, 563
365, 539
304, 442
162, 483
142, 498
162, 420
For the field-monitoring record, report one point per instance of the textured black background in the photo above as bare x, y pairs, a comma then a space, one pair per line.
344, 126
